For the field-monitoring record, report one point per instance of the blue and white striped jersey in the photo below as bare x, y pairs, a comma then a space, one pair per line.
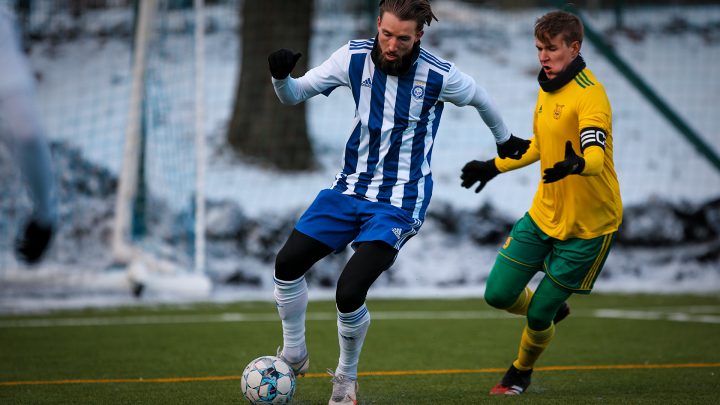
387, 156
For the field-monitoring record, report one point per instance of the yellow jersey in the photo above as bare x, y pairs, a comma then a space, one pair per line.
581, 206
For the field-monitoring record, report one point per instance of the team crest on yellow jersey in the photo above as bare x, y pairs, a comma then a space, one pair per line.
558, 111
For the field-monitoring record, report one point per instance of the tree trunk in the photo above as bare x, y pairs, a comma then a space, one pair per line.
261, 127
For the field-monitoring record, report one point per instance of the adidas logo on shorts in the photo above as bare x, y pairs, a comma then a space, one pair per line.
397, 232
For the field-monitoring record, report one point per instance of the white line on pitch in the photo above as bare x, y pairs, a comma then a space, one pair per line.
240, 317
675, 316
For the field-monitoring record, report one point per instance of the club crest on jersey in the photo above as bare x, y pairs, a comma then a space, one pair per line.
418, 90
558, 111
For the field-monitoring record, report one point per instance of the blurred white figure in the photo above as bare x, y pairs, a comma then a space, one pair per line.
22, 131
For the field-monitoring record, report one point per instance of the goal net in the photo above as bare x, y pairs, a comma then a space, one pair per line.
119, 81
125, 118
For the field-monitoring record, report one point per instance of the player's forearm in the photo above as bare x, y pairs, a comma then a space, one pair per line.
289, 91
490, 115
531, 156
594, 158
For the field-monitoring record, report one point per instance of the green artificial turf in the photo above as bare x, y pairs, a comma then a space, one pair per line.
194, 354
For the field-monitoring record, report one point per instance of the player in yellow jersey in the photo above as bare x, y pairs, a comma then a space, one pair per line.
571, 225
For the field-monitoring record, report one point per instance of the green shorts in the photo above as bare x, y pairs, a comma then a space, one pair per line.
573, 264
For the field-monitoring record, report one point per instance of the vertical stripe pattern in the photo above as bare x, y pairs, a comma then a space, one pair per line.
387, 157
357, 61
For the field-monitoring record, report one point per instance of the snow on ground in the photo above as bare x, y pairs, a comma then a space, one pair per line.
497, 49
84, 99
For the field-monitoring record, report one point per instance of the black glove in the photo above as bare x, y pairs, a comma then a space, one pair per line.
573, 164
513, 148
33, 241
282, 63
478, 171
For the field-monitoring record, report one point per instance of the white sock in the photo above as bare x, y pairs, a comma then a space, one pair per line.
291, 298
352, 329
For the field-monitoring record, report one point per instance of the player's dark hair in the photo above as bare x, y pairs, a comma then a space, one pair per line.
408, 10
554, 23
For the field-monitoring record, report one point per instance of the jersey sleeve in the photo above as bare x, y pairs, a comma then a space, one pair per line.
594, 157
462, 90
321, 79
531, 156
459, 88
594, 115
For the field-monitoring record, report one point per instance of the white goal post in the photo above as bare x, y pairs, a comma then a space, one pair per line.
200, 136
128, 181
143, 267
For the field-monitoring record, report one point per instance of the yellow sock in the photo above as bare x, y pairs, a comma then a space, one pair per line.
520, 307
532, 344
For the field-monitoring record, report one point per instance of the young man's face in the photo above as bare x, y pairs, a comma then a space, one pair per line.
555, 55
396, 38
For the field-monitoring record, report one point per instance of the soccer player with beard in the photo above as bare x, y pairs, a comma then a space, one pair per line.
379, 198
571, 225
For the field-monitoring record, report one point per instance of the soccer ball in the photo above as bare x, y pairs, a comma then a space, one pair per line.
268, 380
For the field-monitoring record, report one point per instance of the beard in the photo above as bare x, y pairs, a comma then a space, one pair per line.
397, 67
394, 67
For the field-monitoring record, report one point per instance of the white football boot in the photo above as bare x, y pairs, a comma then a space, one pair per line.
299, 367
344, 390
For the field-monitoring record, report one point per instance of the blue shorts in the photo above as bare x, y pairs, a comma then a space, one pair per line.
336, 219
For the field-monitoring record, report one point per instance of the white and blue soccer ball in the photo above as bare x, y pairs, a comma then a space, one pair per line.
268, 380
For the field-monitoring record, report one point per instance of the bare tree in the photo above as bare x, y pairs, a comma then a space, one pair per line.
261, 127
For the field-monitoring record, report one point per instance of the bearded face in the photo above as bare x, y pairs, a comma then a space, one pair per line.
396, 41
396, 66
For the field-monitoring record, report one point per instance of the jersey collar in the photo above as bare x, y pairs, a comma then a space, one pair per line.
575, 67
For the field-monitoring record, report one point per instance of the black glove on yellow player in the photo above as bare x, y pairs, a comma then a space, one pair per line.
282, 63
513, 148
573, 164
476, 171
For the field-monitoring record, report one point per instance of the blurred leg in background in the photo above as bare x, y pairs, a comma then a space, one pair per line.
22, 132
